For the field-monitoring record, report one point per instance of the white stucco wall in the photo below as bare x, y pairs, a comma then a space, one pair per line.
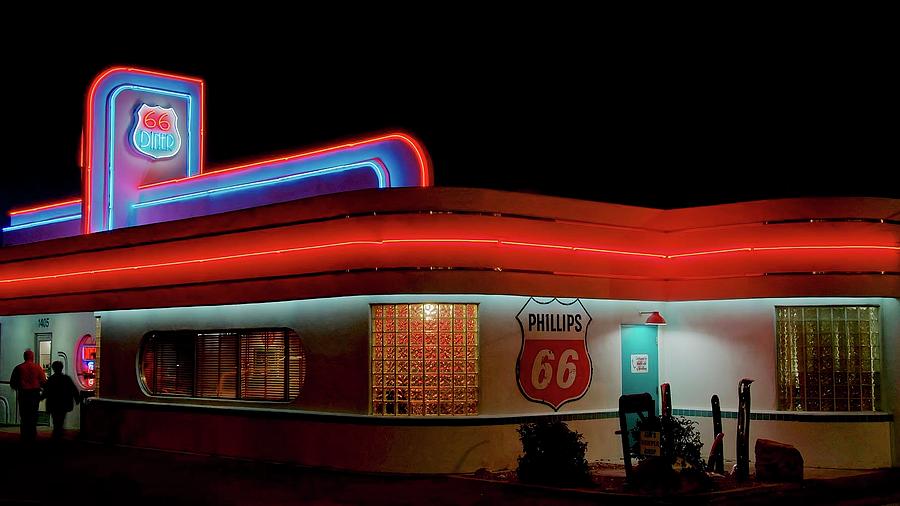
890, 389
706, 348
17, 333
335, 333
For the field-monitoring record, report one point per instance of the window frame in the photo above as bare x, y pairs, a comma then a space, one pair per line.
239, 332
371, 360
875, 353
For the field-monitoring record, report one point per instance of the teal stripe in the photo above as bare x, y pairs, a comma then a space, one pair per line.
794, 416
471, 421
296, 414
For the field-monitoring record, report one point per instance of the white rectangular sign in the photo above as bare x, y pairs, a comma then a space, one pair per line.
640, 364
649, 440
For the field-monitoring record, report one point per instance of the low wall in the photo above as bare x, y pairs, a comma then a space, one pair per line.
353, 442
843, 441
429, 445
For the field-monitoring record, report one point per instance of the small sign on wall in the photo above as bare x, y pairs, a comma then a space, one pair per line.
640, 363
650, 443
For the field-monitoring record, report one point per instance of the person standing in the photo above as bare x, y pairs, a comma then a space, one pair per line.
27, 380
61, 394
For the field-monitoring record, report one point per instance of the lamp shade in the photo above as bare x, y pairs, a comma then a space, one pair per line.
654, 318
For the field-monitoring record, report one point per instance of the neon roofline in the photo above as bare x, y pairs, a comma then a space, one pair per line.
498, 242
43, 207
380, 173
304, 154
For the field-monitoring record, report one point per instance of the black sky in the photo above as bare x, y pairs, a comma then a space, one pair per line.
660, 124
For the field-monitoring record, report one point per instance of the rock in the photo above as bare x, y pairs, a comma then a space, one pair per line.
483, 474
655, 475
778, 461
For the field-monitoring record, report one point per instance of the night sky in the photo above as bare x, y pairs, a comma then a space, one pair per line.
658, 126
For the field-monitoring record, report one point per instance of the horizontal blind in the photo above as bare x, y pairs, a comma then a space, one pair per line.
263, 363
217, 358
297, 361
168, 364
251, 364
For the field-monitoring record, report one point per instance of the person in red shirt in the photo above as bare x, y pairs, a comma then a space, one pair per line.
27, 379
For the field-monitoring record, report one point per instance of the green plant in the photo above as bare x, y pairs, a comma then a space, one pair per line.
552, 454
680, 459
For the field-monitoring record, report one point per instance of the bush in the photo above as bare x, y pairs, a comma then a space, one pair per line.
553, 455
680, 463
679, 441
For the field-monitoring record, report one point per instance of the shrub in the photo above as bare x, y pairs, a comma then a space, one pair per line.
680, 460
553, 454
679, 441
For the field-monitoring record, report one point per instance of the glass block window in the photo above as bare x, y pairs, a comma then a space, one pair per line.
829, 358
425, 359
248, 364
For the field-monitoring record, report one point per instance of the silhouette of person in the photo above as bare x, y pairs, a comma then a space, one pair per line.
27, 379
62, 395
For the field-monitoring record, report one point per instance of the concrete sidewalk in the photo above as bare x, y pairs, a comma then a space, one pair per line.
48, 472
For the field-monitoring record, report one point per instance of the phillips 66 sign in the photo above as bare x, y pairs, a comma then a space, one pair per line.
554, 366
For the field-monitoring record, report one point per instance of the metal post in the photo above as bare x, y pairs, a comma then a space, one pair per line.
742, 469
718, 458
623, 431
666, 391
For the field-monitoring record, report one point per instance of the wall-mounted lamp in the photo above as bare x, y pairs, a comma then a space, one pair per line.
655, 318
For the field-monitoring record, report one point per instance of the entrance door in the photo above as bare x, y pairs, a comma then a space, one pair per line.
640, 363
43, 343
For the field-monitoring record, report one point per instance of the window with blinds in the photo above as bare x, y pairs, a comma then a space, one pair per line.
247, 364
217, 364
168, 365
829, 358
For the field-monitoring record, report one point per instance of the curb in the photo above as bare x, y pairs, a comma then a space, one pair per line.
863, 485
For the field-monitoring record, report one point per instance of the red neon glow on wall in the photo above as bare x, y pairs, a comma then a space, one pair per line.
433, 242
580, 248
400, 136
44, 206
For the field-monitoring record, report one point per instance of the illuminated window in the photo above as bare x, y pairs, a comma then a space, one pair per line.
247, 364
425, 359
828, 358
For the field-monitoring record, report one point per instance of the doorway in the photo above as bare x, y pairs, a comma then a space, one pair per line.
43, 345
640, 363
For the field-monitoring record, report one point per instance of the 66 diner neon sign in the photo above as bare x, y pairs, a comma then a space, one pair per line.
554, 365
156, 132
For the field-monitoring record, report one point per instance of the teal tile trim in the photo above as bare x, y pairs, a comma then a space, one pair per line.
470, 421
287, 413
796, 416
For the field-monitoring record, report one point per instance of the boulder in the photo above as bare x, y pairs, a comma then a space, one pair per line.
778, 461
483, 474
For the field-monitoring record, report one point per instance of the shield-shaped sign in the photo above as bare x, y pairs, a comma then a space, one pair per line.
156, 132
554, 365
